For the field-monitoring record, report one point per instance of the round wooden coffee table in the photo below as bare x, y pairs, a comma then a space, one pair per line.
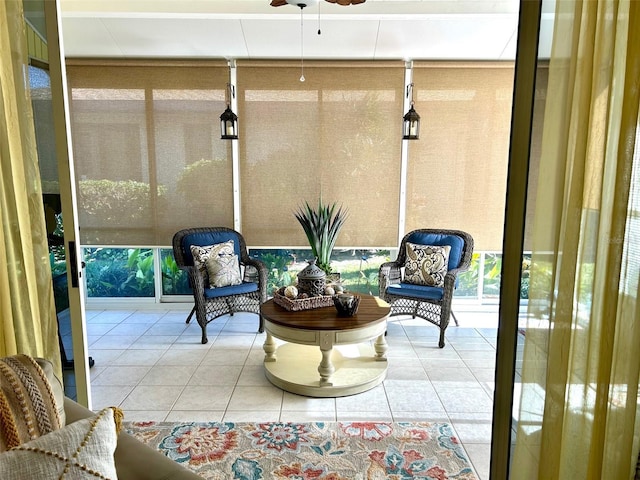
342, 365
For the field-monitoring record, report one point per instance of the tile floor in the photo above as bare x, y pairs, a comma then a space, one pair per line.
152, 365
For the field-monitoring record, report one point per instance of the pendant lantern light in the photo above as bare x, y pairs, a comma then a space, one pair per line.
228, 119
411, 120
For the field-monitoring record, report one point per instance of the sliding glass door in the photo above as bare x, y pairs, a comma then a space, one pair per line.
60, 205
566, 403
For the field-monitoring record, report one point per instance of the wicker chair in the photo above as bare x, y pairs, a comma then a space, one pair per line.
430, 303
211, 303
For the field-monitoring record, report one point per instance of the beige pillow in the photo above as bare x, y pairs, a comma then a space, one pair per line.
81, 450
223, 270
426, 264
202, 253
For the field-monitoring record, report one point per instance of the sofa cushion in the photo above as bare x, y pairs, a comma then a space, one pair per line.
223, 270
244, 287
83, 449
417, 291
426, 264
28, 407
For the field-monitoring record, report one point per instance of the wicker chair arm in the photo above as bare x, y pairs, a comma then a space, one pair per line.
388, 274
450, 279
261, 268
196, 279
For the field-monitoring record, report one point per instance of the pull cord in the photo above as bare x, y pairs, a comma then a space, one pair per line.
301, 45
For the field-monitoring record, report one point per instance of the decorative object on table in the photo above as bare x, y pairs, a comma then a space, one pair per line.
311, 280
346, 304
291, 292
302, 302
322, 226
310, 450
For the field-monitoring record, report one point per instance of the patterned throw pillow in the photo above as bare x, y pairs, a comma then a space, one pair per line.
28, 405
223, 270
426, 264
82, 449
201, 254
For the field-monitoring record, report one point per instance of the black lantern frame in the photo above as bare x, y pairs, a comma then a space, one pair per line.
411, 120
229, 120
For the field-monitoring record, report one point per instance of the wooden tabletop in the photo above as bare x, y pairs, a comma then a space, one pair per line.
371, 309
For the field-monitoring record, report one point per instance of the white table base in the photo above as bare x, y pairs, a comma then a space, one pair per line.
297, 369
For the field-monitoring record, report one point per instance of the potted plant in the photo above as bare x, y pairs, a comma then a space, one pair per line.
322, 225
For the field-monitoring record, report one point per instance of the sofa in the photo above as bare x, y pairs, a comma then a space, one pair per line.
121, 453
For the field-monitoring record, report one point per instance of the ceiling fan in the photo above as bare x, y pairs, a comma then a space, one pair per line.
303, 3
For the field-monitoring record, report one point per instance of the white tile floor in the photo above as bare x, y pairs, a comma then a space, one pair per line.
152, 365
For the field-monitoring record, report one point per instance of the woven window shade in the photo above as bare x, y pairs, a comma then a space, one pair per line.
457, 170
329, 136
147, 150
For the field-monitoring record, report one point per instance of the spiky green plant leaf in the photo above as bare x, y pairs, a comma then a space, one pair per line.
322, 226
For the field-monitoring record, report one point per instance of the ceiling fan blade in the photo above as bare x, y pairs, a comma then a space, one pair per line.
279, 3
346, 2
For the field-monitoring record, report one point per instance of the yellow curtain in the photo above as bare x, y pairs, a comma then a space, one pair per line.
27, 309
578, 410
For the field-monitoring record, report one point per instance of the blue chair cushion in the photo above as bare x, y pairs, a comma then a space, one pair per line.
418, 291
455, 242
245, 287
207, 238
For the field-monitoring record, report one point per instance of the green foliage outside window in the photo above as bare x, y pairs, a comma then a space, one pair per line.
119, 272
359, 269
57, 257
468, 281
278, 263
492, 273
174, 280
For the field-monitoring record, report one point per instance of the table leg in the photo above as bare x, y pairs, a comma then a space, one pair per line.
380, 346
326, 368
269, 348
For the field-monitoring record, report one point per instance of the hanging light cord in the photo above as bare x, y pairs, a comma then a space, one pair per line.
301, 45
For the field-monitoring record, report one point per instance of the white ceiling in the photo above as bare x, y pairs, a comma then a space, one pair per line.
235, 29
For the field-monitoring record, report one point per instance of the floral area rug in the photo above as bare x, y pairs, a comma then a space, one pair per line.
310, 451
